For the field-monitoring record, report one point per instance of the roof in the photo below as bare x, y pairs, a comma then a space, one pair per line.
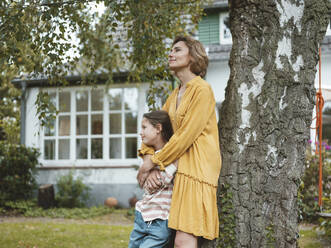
42, 81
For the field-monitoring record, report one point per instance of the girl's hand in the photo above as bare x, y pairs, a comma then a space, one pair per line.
153, 181
144, 170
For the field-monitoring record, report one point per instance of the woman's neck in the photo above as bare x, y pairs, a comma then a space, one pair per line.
185, 76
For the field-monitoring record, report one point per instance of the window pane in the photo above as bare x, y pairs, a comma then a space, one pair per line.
131, 99
96, 148
64, 125
131, 123
115, 99
209, 29
97, 121
115, 124
97, 100
115, 148
52, 97
49, 149
64, 101
50, 131
82, 101
81, 148
131, 147
64, 149
81, 124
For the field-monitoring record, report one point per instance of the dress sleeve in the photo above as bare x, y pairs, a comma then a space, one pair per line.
193, 124
144, 149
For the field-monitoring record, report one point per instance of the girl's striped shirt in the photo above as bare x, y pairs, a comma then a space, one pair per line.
157, 205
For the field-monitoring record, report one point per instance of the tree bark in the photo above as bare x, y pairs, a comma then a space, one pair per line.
266, 117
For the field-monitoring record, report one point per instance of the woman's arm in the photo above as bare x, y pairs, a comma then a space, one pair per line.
193, 124
156, 179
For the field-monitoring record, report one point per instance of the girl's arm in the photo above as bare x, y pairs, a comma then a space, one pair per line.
157, 178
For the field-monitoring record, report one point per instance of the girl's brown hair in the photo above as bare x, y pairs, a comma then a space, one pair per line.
199, 61
161, 117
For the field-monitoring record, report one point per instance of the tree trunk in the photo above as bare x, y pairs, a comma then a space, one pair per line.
46, 197
266, 118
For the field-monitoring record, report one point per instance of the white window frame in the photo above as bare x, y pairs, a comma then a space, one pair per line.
223, 40
105, 161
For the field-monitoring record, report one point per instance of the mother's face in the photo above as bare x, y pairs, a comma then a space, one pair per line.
179, 56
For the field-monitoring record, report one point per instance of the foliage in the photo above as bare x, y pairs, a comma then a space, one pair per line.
9, 113
71, 192
43, 234
17, 170
308, 191
69, 213
53, 39
46, 110
19, 206
30, 208
310, 238
325, 225
130, 212
270, 234
226, 217
158, 94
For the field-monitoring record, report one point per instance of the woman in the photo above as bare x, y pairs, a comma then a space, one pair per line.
191, 108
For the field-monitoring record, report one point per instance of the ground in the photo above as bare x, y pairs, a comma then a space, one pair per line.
118, 217
111, 230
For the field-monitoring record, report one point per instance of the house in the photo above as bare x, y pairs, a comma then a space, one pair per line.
96, 132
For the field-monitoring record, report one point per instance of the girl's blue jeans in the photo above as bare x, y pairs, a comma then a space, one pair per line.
149, 234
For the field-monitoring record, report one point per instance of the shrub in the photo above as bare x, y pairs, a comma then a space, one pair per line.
17, 170
308, 192
30, 208
71, 192
325, 225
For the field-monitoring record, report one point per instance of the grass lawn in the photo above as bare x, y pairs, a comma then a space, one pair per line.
111, 231
46, 235
311, 239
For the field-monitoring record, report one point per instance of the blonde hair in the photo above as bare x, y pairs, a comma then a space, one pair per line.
199, 61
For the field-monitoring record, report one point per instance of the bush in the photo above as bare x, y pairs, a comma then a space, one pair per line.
30, 208
325, 225
17, 170
71, 192
308, 192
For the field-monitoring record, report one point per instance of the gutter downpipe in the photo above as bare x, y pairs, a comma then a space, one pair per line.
23, 113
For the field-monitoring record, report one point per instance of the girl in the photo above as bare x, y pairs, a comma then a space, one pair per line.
151, 215
191, 108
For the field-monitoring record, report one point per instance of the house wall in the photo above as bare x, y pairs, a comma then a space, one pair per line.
120, 183
217, 76
105, 182
105, 179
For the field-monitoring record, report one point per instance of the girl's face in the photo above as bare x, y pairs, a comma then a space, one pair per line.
179, 56
149, 133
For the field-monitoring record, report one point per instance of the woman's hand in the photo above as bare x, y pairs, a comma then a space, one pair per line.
144, 170
153, 181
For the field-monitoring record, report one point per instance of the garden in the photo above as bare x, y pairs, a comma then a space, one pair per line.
69, 223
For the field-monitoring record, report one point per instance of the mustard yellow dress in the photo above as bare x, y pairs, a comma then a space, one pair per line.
196, 144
